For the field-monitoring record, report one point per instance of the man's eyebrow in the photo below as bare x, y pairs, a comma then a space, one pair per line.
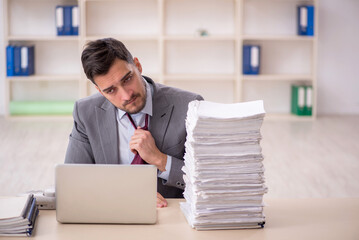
124, 77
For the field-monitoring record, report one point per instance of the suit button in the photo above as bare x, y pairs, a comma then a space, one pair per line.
178, 184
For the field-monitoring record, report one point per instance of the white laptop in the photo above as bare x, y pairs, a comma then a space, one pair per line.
92, 193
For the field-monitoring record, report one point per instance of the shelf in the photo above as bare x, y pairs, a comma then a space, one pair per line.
200, 58
186, 17
183, 37
44, 78
200, 77
124, 37
43, 38
277, 17
278, 38
199, 38
277, 77
121, 18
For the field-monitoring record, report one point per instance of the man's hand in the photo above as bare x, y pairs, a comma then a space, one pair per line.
161, 201
143, 143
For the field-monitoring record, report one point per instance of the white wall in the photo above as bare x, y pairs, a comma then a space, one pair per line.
338, 61
2, 64
338, 57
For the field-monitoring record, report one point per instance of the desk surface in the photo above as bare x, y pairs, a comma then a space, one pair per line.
285, 219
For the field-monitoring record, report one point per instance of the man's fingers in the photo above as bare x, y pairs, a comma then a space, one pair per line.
143, 143
161, 201
139, 132
133, 146
160, 196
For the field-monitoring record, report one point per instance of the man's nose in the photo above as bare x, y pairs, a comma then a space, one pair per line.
125, 94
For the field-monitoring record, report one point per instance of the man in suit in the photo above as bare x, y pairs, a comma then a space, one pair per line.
108, 125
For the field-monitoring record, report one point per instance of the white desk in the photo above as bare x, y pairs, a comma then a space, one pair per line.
304, 219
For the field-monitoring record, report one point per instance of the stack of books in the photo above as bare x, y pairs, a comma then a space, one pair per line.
224, 174
18, 215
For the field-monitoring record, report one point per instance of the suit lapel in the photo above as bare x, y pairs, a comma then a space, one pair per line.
159, 123
107, 125
162, 112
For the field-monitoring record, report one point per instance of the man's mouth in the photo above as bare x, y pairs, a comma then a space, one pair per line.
131, 100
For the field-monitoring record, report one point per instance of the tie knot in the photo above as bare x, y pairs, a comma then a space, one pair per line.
134, 124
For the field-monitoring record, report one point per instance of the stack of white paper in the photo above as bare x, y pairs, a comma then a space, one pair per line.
18, 215
224, 174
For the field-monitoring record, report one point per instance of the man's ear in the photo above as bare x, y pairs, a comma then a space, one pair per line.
137, 64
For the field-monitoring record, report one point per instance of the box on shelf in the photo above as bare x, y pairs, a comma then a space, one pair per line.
67, 20
20, 60
301, 104
305, 20
251, 59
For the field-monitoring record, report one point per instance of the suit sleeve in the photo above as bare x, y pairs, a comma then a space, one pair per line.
175, 178
79, 148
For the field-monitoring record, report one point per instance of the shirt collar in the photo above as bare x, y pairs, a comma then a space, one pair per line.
148, 106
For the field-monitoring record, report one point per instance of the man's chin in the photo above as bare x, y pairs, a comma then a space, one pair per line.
132, 108
134, 111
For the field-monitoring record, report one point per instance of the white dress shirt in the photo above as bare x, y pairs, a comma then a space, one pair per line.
126, 131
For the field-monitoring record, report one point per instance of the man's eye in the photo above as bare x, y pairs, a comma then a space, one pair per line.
111, 91
128, 79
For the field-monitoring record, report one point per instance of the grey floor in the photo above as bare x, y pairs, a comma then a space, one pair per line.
303, 159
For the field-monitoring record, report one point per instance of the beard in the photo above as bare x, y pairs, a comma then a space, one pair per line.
139, 107
142, 102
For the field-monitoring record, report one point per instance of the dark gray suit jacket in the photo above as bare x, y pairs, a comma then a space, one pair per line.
94, 137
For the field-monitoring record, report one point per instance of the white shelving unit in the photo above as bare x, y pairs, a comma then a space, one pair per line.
57, 67
165, 36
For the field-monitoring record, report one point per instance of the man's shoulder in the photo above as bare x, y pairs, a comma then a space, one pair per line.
90, 103
94, 99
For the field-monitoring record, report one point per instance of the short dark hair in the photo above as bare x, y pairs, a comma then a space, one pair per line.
98, 56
